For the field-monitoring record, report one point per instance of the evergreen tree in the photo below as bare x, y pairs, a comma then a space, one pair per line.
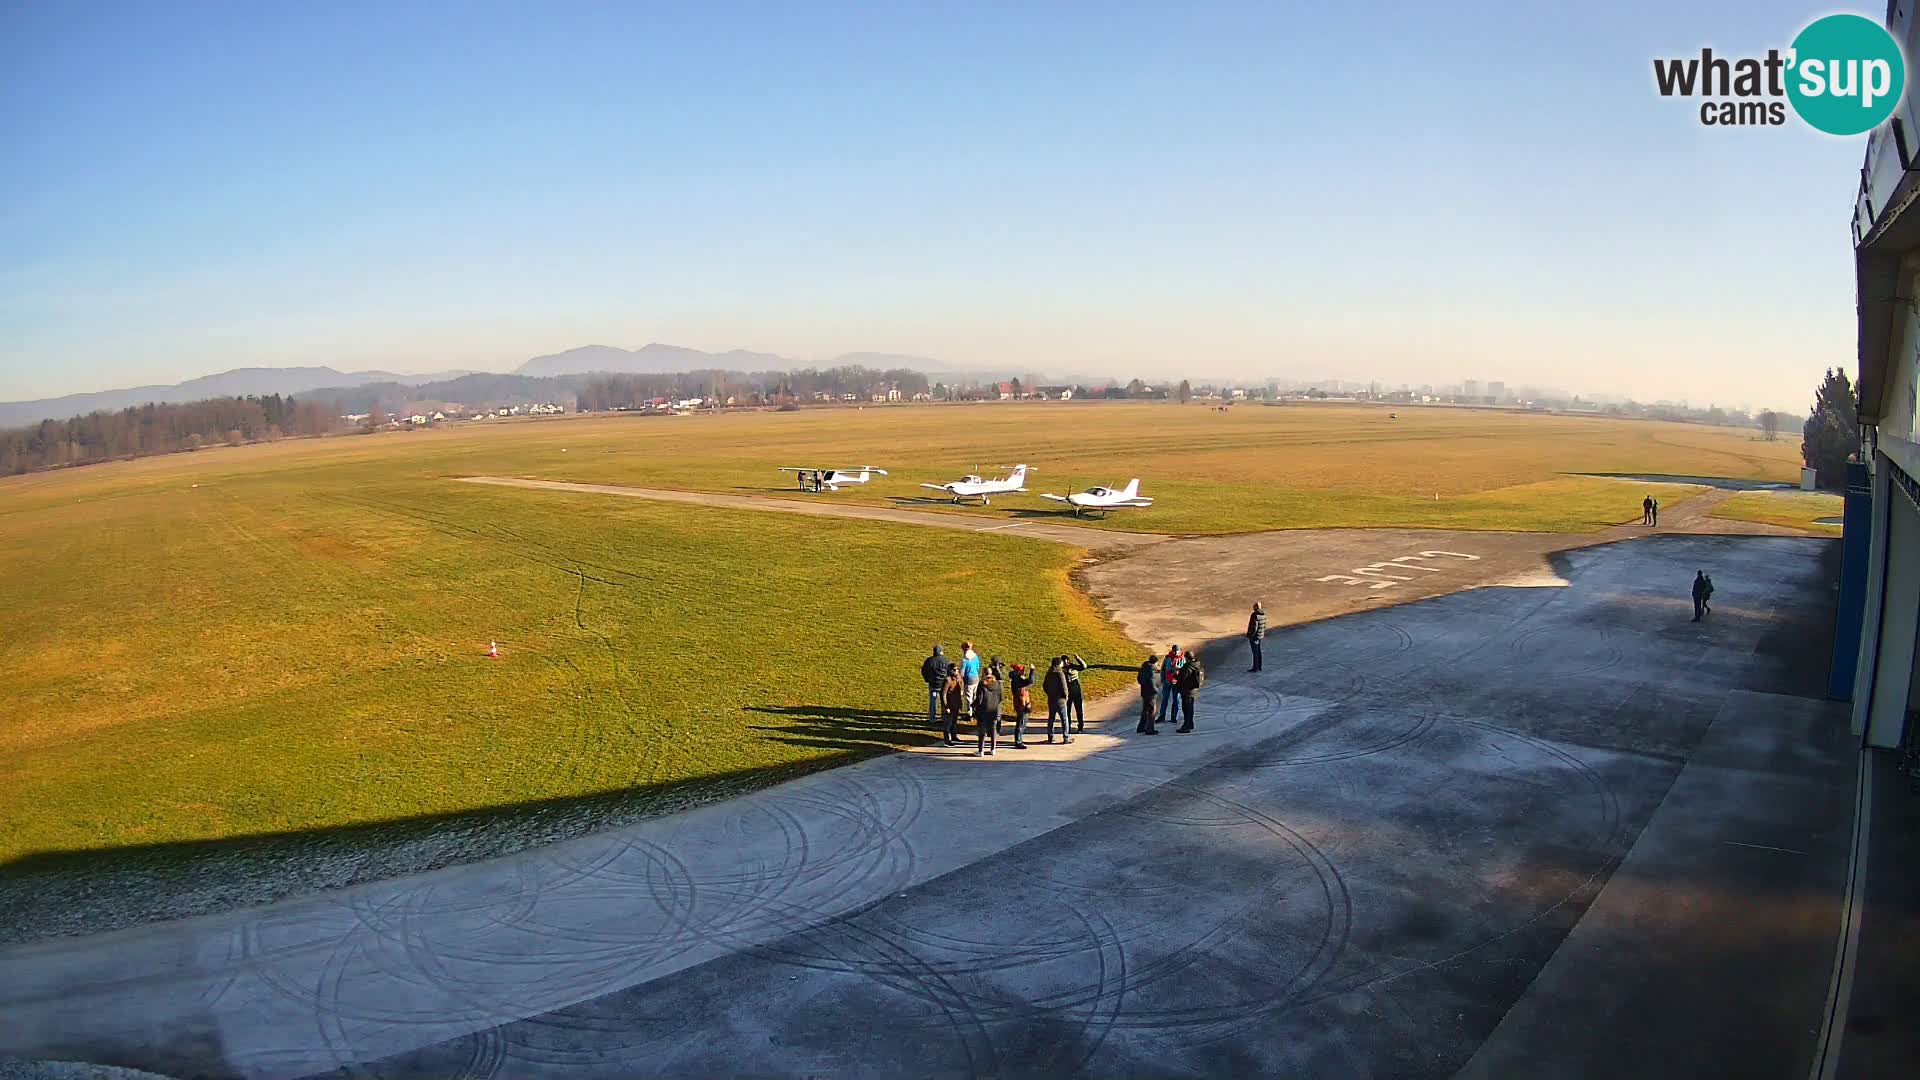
1832, 431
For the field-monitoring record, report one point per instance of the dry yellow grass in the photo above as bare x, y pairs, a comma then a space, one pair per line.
1793, 509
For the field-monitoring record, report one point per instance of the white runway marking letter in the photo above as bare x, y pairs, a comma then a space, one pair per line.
1390, 572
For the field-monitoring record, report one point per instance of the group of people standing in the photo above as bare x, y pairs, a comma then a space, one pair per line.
969, 688
1175, 681
980, 691
1649, 511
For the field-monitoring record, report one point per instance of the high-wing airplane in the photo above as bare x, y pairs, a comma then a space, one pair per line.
833, 479
973, 487
1103, 498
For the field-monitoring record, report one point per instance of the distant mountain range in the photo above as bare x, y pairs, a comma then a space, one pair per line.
650, 359
240, 382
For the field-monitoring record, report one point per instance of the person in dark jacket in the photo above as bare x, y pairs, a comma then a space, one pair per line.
999, 672
1256, 633
1192, 678
1021, 683
1149, 679
953, 696
1646, 510
1706, 602
1076, 702
1055, 684
933, 670
1656, 513
986, 712
1701, 590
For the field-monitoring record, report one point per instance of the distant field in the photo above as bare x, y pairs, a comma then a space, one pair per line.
289, 637
1247, 469
1794, 509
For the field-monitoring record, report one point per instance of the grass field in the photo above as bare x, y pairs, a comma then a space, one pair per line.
300, 646
289, 638
1794, 509
1248, 469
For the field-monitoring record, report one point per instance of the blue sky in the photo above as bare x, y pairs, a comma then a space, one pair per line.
1412, 192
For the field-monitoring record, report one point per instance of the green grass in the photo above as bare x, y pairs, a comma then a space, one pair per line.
1793, 509
301, 647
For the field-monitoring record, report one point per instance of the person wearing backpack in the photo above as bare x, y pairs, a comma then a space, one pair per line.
1055, 684
1021, 683
1192, 678
986, 712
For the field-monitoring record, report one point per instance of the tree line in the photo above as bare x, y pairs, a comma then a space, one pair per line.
160, 428
604, 392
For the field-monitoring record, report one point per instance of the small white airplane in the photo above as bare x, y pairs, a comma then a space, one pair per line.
973, 487
1103, 498
833, 479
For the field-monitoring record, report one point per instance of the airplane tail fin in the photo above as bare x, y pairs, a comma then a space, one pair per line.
1133, 488
1019, 475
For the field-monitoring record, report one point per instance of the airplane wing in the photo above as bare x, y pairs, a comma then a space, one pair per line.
1056, 498
936, 487
791, 469
1133, 502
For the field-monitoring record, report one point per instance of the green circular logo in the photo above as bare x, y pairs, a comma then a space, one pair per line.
1845, 74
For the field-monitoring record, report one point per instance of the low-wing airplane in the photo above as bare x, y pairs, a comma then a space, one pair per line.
1103, 498
832, 479
973, 487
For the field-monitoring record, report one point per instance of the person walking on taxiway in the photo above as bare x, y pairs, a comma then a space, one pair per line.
1256, 634
1149, 679
1192, 678
1055, 684
933, 670
986, 712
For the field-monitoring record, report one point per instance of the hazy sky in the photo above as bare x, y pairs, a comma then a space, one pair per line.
1417, 192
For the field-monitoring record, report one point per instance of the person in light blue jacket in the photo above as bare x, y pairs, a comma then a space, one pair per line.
969, 672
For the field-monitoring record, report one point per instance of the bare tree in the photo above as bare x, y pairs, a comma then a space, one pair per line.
1769, 425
